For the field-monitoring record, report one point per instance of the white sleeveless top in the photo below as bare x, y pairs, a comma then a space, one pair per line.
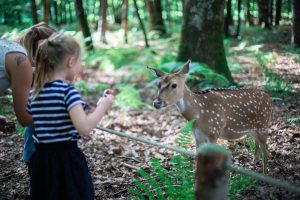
7, 47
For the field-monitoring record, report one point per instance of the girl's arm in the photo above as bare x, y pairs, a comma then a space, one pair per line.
19, 70
85, 123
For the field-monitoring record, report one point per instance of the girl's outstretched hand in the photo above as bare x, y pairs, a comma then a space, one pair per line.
107, 100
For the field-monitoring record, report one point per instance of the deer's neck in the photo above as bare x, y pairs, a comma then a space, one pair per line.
185, 105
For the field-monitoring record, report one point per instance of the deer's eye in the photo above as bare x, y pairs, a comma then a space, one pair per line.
174, 85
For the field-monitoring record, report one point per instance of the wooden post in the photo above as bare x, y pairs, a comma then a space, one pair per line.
212, 176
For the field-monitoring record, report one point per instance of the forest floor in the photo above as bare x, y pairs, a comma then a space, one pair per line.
114, 160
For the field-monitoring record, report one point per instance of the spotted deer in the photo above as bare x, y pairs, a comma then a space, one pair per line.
218, 113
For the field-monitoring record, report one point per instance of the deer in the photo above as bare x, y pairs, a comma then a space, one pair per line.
225, 113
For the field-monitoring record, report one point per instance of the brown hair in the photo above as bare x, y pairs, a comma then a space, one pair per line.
50, 54
30, 39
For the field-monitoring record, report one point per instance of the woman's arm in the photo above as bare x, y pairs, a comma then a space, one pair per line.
85, 123
19, 70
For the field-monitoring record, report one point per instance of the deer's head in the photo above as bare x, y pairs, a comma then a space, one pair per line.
171, 86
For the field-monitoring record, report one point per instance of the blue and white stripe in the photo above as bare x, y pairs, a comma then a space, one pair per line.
50, 111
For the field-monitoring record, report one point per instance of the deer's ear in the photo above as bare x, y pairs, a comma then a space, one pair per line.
156, 72
186, 67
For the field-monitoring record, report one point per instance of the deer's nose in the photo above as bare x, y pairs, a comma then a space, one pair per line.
157, 103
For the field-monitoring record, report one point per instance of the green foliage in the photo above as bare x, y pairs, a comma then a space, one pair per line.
89, 90
274, 84
239, 184
177, 182
295, 120
185, 137
199, 77
128, 97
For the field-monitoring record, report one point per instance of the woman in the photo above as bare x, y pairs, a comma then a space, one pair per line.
16, 72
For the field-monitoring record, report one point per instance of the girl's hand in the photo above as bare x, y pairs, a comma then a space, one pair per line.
106, 101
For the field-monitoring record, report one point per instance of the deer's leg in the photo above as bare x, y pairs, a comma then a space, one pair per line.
262, 139
256, 150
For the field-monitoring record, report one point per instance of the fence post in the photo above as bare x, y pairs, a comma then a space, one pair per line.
212, 176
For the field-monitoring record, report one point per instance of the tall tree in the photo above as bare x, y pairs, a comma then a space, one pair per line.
124, 19
202, 34
46, 11
228, 18
84, 25
141, 23
155, 15
34, 12
296, 23
102, 20
237, 33
264, 13
278, 12
249, 17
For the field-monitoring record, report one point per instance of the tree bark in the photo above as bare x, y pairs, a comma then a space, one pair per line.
55, 12
46, 11
155, 15
102, 20
202, 35
124, 19
271, 12
117, 11
229, 18
278, 12
141, 23
237, 33
34, 12
84, 25
263, 12
249, 17
296, 23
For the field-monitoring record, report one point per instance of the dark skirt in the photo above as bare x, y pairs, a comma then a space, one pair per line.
59, 171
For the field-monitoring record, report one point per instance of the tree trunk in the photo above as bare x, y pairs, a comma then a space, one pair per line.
239, 18
84, 25
278, 12
249, 17
46, 11
169, 16
141, 23
202, 35
117, 11
155, 15
271, 12
70, 12
228, 19
55, 12
102, 20
296, 23
263, 11
34, 12
124, 19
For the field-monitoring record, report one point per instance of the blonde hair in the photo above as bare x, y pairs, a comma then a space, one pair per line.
30, 39
50, 54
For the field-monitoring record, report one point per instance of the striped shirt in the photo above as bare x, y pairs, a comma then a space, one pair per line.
50, 112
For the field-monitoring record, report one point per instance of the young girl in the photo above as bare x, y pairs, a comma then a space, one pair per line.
16, 62
58, 169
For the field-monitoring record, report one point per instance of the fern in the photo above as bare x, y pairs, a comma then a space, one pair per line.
175, 182
128, 97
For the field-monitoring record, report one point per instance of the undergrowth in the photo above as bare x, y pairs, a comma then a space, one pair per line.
177, 180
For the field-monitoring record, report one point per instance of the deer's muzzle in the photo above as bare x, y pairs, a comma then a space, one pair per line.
157, 103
